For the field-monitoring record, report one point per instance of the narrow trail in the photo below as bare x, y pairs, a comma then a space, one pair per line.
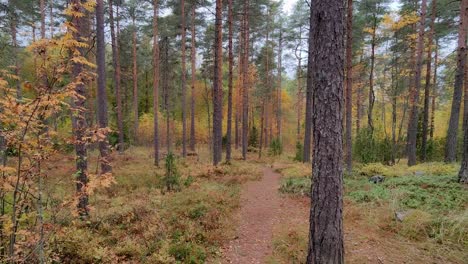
260, 211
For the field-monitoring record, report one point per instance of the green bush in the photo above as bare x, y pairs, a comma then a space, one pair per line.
299, 152
276, 147
253, 137
171, 179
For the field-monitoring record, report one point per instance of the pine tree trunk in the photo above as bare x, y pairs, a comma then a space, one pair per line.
135, 82
80, 23
13, 30
462, 73
218, 86
117, 75
156, 81
165, 84
326, 73
370, 121
184, 79
413, 121
101, 88
434, 89
279, 113
349, 87
194, 70
428, 84
230, 77
452, 133
245, 84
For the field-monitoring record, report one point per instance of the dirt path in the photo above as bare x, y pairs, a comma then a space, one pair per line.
261, 206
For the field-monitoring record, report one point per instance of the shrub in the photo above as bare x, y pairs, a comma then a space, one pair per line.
276, 147
299, 152
171, 179
253, 137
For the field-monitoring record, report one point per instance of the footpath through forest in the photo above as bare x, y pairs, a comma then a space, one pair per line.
264, 213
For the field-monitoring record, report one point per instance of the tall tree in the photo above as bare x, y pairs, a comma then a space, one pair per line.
80, 26
326, 72
133, 15
413, 118
451, 143
349, 86
102, 118
117, 75
230, 83
427, 86
461, 71
217, 86
245, 79
184, 79
194, 70
156, 81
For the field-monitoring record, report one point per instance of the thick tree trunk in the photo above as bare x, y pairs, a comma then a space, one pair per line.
245, 80
156, 81
184, 79
230, 77
349, 87
80, 23
462, 73
413, 121
217, 86
427, 86
194, 71
326, 70
452, 133
135, 81
117, 75
101, 88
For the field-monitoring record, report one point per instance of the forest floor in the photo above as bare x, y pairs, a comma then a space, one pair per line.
273, 228
253, 211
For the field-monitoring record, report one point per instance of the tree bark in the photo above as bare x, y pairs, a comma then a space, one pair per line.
117, 75
80, 23
451, 145
279, 113
245, 80
326, 72
230, 84
413, 121
370, 121
101, 88
156, 81
218, 86
349, 87
194, 70
462, 73
135, 81
184, 80
434, 89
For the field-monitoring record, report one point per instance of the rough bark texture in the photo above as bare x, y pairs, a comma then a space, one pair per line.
230, 77
427, 86
184, 79
101, 87
245, 84
79, 105
117, 75
156, 81
194, 71
218, 86
413, 120
461, 71
135, 80
167, 94
451, 144
349, 87
326, 69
